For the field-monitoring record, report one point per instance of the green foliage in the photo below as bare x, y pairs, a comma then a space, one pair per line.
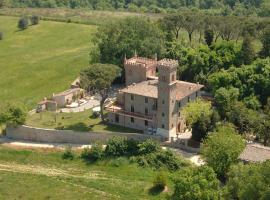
98, 78
124, 37
222, 148
1, 35
68, 154
116, 146
23, 23
248, 182
12, 114
34, 19
162, 160
265, 39
196, 183
94, 153
247, 51
160, 181
209, 36
148, 146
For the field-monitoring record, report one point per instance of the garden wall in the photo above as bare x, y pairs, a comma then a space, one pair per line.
67, 136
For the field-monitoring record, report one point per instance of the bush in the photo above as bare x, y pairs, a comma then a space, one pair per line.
116, 146
132, 147
160, 181
1, 35
94, 154
148, 146
23, 23
68, 154
34, 20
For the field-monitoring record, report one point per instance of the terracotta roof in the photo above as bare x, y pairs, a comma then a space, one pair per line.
255, 153
149, 89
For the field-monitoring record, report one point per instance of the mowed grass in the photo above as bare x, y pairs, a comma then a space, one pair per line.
81, 121
43, 174
42, 59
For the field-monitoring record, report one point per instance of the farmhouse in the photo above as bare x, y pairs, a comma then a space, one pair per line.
151, 101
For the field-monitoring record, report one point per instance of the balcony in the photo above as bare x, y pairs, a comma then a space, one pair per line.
119, 110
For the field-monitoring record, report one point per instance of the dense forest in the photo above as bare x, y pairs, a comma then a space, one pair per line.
222, 7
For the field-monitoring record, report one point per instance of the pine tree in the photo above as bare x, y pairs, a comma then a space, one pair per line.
265, 52
209, 36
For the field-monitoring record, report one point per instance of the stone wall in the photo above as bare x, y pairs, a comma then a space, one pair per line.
67, 136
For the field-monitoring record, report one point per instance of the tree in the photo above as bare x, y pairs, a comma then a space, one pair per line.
3, 3
224, 99
34, 20
196, 183
265, 39
98, 78
209, 36
190, 24
222, 148
201, 117
12, 114
247, 51
23, 23
115, 40
248, 182
173, 23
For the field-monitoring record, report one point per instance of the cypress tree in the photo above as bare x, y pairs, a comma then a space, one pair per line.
209, 36
247, 51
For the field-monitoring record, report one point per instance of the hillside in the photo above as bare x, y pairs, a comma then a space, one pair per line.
41, 60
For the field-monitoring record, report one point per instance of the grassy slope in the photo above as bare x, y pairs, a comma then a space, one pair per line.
42, 59
55, 178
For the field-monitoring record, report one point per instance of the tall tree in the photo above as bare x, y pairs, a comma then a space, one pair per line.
247, 51
12, 114
209, 36
265, 39
222, 148
115, 40
98, 78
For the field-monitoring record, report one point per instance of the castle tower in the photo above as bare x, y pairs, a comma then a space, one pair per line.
167, 105
138, 69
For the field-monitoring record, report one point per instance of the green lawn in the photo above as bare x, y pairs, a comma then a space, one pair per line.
41, 60
29, 174
82, 121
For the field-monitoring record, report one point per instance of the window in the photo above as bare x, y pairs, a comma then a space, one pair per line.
179, 104
197, 94
163, 102
163, 114
172, 125
163, 78
132, 120
146, 111
132, 97
146, 123
116, 118
163, 126
146, 100
132, 108
173, 77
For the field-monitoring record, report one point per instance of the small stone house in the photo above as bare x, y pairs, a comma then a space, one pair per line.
151, 102
67, 97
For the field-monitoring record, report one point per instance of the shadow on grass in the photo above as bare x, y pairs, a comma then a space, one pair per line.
80, 126
154, 191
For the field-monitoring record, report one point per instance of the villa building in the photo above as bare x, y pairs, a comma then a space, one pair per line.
151, 101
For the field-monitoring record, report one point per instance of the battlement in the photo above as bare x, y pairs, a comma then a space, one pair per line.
140, 62
167, 63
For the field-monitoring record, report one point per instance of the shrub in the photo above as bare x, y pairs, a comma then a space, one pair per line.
68, 154
119, 162
34, 20
94, 154
148, 146
160, 181
23, 23
116, 146
132, 147
1, 35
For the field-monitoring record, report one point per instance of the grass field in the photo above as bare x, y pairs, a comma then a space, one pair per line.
29, 174
41, 60
82, 121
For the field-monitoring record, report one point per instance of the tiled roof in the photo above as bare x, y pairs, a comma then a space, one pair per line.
149, 89
255, 153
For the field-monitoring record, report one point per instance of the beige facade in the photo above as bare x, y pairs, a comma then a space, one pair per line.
153, 105
67, 97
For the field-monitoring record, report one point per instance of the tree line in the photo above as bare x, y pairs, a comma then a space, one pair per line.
223, 7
